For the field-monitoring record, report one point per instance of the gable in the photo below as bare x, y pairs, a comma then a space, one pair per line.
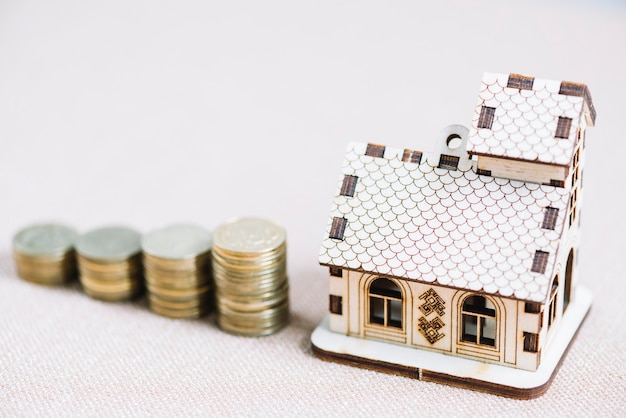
529, 119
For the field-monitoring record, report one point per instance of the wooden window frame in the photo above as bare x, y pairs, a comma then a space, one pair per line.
556, 183
552, 306
335, 304
388, 298
531, 342
410, 156
479, 315
532, 307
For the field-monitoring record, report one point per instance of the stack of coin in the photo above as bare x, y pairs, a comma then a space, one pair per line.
109, 262
177, 269
44, 254
249, 268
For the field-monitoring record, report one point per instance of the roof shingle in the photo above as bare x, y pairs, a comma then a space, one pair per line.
451, 227
525, 121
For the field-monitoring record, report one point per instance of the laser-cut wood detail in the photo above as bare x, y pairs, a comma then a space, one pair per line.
348, 186
375, 150
385, 303
522, 82
444, 224
540, 261
563, 127
479, 321
335, 304
335, 271
337, 228
532, 307
449, 162
433, 303
531, 342
411, 156
486, 117
550, 217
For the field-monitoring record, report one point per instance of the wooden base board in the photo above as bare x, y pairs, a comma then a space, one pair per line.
443, 368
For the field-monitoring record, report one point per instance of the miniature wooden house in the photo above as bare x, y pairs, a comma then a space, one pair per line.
471, 250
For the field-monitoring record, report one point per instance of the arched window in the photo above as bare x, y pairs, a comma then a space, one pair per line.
385, 306
553, 301
479, 321
567, 291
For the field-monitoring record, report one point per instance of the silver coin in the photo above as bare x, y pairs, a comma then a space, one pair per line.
249, 235
44, 240
177, 242
110, 243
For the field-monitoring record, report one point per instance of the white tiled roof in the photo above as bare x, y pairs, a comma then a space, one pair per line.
447, 227
525, 121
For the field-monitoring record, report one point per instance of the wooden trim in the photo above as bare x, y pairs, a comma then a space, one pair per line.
375, 150
502, 157
450, 380
486, 118
519, 81
348, 186
446, 286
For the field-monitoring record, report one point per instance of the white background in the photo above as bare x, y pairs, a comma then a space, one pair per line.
147, 113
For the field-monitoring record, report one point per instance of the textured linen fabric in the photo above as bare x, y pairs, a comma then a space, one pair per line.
152, 113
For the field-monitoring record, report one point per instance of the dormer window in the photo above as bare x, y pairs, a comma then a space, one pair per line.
563, 127
486, 117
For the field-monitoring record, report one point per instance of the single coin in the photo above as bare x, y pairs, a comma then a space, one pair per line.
249, 235
51, 240
196, 303
99, 286
177, 313
191, 265
177, 242
178, 293
109, 243
111, 296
